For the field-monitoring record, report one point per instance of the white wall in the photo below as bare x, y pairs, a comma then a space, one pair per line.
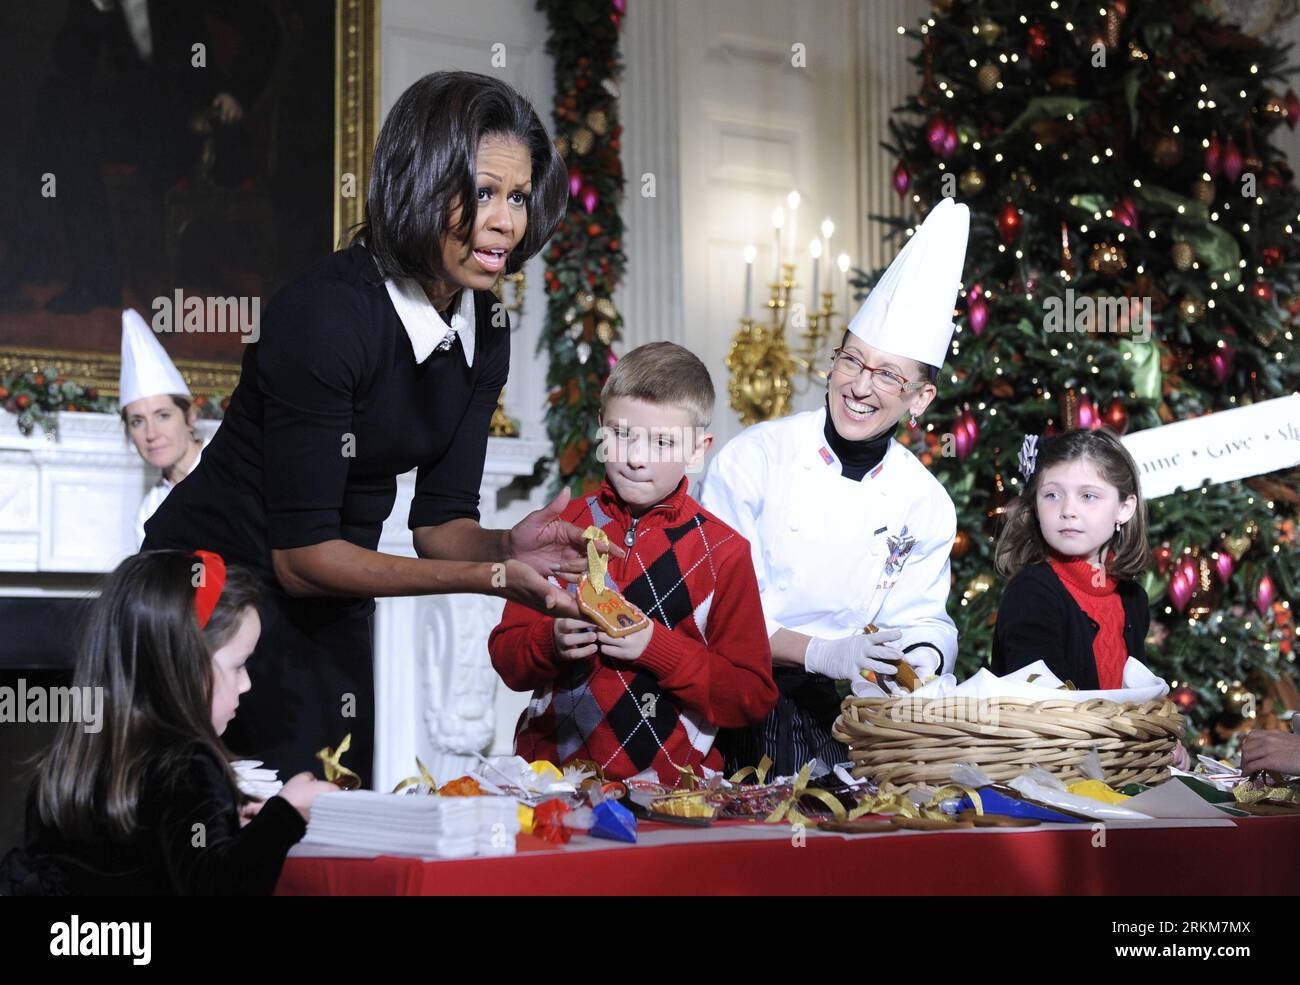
419, 37
754, 126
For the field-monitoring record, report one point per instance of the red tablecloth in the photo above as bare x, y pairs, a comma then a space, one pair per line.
1258, 856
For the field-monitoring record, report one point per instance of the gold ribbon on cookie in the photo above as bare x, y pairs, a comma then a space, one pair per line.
424, 778
597, 563
335, 772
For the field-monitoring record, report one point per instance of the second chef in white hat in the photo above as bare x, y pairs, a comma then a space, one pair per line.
846, 526
158, 412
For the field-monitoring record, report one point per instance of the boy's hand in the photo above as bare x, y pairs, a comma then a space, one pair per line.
628, 647
575, 639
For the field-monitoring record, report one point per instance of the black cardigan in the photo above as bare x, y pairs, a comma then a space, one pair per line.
1038, 619
166, 857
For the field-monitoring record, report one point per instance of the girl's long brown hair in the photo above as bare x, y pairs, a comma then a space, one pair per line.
142, 644
1021, 542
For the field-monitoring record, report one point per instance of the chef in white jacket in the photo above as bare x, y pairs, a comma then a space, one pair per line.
846, 526
158, 413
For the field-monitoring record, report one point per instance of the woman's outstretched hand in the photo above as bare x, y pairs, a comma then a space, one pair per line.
518, 582
551, 545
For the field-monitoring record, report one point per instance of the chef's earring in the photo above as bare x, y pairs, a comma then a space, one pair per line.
912, 422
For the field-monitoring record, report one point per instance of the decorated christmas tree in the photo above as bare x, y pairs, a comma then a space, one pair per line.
1120, 153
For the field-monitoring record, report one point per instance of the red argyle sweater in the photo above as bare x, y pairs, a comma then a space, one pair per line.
707, 666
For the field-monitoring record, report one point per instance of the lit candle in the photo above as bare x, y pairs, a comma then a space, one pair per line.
843, 263
792, 200
750, 254
815, 248
828, 229
778, 221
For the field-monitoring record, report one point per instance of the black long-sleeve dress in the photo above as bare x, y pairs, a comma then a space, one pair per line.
188, 843
330, 409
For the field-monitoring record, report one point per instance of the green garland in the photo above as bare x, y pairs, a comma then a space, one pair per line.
37, 398
585, 261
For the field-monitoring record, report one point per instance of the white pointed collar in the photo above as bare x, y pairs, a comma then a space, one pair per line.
425, 327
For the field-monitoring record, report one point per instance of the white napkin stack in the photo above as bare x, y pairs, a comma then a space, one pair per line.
397, 824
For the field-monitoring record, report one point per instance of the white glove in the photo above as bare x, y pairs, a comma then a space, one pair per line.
846, 659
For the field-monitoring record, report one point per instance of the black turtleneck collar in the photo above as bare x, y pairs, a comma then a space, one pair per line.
857, 458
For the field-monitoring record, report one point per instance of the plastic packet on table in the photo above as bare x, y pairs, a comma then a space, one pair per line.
1090, 767
1055, 796
970, 775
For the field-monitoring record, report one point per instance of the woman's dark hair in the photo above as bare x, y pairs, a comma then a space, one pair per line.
182, 403
1021, 542
424, 167
141, 643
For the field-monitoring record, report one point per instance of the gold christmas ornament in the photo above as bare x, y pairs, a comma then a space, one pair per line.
1237, 545
1183, 255
605, 332
1166, 151
583, 140
988, 77
605, 308
1203, 191
971, 182
978, 585
598, 122
1107, 258
1207, 592
989, 30
1113, 22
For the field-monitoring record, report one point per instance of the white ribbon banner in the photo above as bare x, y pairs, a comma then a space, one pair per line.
1230, 444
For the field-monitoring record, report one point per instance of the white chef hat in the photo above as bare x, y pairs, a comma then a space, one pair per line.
146, 370
909, 311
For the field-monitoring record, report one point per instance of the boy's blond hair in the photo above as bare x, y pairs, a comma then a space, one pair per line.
663, 373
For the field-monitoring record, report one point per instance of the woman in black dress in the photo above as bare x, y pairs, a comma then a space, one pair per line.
387, 356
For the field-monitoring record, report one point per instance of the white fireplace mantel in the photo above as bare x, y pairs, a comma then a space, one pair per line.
68, 507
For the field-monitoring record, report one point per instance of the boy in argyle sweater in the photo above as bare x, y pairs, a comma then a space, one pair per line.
648, 704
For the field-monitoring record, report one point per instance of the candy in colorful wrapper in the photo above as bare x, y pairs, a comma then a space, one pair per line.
543, 768
610, 819
1266, 786
1096, 790
526, 819
465, 786
686, 805
548, 822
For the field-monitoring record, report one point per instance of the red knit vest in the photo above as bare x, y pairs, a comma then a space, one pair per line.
1103, 604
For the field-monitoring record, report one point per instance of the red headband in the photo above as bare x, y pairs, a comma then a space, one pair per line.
212, 580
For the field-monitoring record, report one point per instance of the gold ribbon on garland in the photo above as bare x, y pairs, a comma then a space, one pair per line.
425, 778
335, 772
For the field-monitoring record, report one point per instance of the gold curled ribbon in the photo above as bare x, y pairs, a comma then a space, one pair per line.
597, 563
425, 777
688, 780
335, 772
759, 772
890, 800
788, 810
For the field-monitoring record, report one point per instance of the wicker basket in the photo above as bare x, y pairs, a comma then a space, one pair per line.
910, 741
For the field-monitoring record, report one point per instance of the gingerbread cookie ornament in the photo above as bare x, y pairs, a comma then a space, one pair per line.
612, 613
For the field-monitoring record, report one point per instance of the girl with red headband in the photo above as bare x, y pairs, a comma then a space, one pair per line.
149, 804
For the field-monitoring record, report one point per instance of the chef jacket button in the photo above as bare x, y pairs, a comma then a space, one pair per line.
794, 527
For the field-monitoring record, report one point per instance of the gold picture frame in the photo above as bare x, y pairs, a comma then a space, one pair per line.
356, 121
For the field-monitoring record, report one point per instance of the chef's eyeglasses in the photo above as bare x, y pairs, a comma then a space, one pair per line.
886, 381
